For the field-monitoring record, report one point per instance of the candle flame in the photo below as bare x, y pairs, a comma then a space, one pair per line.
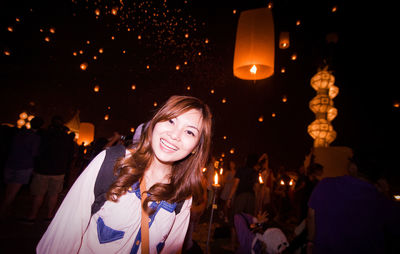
260, 179
221, 171
216, 178
291, 182
253, 69
282, 182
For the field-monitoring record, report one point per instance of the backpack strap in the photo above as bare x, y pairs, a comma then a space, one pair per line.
106, 176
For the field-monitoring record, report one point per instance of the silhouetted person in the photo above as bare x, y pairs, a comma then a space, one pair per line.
19, 165
347, 214
56, 153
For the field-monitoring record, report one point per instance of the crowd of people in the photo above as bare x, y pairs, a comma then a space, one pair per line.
264, 209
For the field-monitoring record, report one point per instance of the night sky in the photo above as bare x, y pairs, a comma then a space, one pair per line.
164, 47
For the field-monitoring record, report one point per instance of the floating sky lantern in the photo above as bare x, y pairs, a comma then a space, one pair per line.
132, 130
293, 57
47, 39
133, 87
255, 45
86, 133
284, 42
273, 114
10, 29
23, 115
232, 151
284, 98
188, 88
101, 51
261, 119
84, 66
52, 30
155, 104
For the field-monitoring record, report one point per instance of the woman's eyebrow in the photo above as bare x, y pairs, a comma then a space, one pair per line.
194, 127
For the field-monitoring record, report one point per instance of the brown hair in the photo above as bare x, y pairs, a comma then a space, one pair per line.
186, 178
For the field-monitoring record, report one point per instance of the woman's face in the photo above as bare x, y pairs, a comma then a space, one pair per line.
174, 139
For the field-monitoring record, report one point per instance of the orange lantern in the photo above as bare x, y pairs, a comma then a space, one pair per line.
255, 45
86, 133
284, 42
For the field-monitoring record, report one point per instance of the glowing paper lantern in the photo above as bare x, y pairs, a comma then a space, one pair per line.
86, 133
284, 42
321, 129
255, 45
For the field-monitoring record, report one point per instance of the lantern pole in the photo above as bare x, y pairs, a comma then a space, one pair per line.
215, 188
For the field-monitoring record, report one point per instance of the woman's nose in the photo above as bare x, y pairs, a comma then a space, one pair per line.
174, 133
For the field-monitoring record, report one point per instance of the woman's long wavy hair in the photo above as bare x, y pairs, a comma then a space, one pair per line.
186, 178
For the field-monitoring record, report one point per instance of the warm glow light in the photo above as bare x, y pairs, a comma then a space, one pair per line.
114, 11
97, 12
10, 29
113, 37
155, 104
47, 39
204, 170
101, 51
87, 42
298, 23
291, 182
74, 53
96, 88
30, 117
133, 87
396, 104
253, 69
132, 130
177, 67
86, 133
273, 115
94, 57
139, 37
221, 171
52, 30
334, 8
223, 100
232, 151
206, 41
23, 115
216, 179
397, 197
260, 180
261, 119
7, 53
147, 66
283, 70
106, 117
294, 56
188, 88
81, 52
84, 66
234, 11
254, 45
282, 182
186, 35
224, 137
212, 91
20, 123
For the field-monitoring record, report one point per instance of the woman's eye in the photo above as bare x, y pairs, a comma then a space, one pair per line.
171, 121
190, 133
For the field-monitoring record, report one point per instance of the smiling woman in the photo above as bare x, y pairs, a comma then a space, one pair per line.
161, 173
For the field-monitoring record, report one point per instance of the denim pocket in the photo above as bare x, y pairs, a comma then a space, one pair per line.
107, 234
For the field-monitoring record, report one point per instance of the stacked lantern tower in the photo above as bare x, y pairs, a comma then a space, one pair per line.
321, 130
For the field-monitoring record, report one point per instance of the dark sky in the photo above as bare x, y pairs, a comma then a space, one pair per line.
45, 79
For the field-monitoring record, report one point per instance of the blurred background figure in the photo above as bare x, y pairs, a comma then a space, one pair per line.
19, 165
56, 151
229, 179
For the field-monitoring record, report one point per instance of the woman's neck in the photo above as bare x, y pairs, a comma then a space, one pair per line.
158, 172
